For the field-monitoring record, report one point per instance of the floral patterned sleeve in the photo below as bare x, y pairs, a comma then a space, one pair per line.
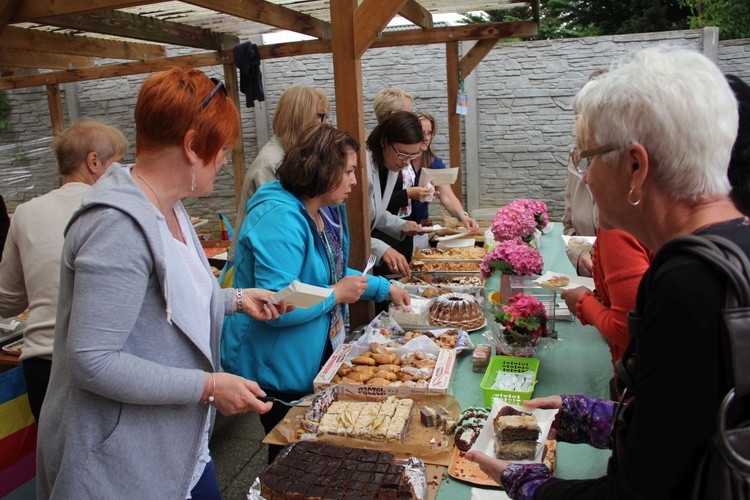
586, 420
582, 420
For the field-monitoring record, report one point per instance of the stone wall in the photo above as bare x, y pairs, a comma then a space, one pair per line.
516, 135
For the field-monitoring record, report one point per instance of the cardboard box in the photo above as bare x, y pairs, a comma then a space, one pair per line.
440, 383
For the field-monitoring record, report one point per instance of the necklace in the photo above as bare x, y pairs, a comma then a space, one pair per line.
150, 188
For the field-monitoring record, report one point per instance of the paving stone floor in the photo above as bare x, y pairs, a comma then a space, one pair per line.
238, 453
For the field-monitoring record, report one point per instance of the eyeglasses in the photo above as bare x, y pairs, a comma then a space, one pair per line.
218, 85
575, 156
403, 156
322, 117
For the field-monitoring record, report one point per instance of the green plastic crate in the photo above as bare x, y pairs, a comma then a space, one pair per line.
512, 365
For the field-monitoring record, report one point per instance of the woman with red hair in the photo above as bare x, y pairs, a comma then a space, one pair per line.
135, 382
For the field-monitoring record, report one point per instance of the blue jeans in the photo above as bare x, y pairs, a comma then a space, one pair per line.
207, 487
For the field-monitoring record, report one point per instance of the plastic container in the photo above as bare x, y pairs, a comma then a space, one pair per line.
507, 364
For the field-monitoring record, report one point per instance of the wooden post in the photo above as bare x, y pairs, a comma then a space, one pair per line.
55, 109
454, 120
347, 72
238, 151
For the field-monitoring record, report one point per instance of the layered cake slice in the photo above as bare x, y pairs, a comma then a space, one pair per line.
515, 435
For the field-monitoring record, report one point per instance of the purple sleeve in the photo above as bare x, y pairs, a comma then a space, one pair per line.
522, 480
582, 420
586, 420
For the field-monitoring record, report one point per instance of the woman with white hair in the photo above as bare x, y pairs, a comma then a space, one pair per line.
660, 132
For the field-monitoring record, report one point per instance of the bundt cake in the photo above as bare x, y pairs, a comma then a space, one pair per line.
457, 310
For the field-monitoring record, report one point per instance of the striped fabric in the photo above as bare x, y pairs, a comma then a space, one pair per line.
17, 435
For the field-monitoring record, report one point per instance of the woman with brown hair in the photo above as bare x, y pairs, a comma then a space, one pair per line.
135, 380
391, 146
296, 229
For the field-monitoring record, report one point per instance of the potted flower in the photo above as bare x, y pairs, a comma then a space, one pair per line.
520, 218
512, 257
538, 211
513, 221
517, 326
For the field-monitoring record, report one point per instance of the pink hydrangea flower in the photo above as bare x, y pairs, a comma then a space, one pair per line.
512, 257
513, 221
538, 210
524, 316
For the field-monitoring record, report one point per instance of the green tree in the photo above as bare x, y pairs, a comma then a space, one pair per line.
575, 18
731, 16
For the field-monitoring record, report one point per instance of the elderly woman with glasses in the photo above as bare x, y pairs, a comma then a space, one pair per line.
392, 145
618, 263
136, 381
660, 132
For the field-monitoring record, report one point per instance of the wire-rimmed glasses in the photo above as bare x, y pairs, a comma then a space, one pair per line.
404, 156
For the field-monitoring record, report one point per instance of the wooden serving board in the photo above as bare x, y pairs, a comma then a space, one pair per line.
466, 470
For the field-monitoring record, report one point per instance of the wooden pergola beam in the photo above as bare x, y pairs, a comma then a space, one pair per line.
116, 70
414, 12
46, 41
370, 19
454, 120
123, 24
414, 37
475, 55
55, 109
37, 10
6, 13
347, 72
238, 151
270, 14
32, 59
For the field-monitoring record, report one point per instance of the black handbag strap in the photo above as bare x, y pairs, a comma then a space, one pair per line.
731, 261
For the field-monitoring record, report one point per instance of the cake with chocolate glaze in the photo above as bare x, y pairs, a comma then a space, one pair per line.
312, 471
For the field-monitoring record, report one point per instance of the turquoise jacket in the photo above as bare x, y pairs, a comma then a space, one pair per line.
278, 243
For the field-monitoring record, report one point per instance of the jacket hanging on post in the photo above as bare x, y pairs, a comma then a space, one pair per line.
247, 60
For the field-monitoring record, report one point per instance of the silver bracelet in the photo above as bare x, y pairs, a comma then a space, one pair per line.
211, 398
238, 294
461, 214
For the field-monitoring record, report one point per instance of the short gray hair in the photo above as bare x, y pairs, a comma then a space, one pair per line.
677, 104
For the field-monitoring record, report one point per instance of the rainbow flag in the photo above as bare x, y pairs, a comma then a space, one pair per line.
17, 437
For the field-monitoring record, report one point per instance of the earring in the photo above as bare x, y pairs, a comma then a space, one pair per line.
634, 203
192, 184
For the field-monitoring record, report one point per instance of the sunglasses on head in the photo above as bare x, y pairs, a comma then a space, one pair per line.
218, 85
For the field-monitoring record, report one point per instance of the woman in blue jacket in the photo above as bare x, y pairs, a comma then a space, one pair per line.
296, 229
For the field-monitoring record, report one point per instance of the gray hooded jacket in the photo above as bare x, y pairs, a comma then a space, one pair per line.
122, 417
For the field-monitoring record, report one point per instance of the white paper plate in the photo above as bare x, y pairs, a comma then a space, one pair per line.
485, 442
479, 494
457, 243
301, 295
579, 242
574, 281
441, 176
452, 236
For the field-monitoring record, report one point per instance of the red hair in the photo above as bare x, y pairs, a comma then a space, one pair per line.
169, 105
